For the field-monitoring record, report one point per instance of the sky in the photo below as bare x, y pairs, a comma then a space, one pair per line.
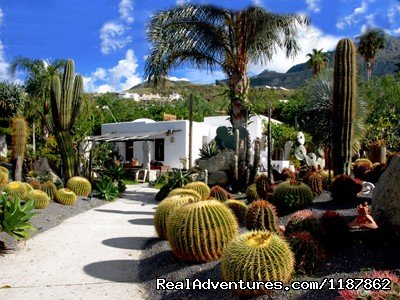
107, 38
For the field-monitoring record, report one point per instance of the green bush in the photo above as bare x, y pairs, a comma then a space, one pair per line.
106, 190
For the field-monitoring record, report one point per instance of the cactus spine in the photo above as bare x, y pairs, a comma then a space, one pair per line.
184, 192
40, 199
15, 189
65, 196
200, 187
238, 208
262, 215
65, 105
264, 187
50, 189
344, 96
79, 185
3, 180
19, 140
219, 193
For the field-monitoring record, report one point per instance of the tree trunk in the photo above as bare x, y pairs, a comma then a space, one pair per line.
238, 88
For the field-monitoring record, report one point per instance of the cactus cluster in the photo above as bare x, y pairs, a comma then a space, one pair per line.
219, 193
65, 196
200, 231
257, 256
315, 181
303, 220
200, 187
40, 199
79, 185
50, 189
344, 97
264, 186
345, 189
292, 195
164, 210
251, 193
262, 215
15, 189
184, 192
238, 208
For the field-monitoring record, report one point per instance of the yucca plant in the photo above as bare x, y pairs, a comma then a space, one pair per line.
107, 190
209, 150
15, 217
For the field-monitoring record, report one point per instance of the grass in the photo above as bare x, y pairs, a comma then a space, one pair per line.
130, 181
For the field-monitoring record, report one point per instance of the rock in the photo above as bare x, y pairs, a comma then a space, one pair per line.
386, 198
223, 161
220, 178
42, 168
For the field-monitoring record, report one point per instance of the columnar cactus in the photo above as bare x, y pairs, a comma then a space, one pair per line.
303, 220
262, 215
257, 256
238, 208
164, 210
15, 189
184, 192
251, 193
200, 231
66, 97
200, 187
264, 187
65, 196
40, 199
344, 97
291, 195
50, 189
219, 193
79, 185
19, 141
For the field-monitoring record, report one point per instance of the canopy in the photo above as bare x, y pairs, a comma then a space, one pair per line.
124, 136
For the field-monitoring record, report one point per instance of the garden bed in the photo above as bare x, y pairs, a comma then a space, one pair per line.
361, 253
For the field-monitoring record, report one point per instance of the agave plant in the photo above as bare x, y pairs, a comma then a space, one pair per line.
209, 150
106, 190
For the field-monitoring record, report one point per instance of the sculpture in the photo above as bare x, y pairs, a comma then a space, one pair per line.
364, 219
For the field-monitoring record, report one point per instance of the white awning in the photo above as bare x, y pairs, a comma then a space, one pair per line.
125, 136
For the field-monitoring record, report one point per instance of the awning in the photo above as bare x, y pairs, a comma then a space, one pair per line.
124, 136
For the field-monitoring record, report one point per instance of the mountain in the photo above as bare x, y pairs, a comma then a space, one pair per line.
298, 74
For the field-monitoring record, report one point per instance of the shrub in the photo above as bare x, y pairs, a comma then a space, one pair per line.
344, 188
257, 256
251, 193
15, 189
238, 208
262, 215
79, 185
219, 193
199, 187
303, 220
200, 231
292, 195
106, 190
65, 196
40, 199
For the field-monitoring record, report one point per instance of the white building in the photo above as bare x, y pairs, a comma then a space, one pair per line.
169, 140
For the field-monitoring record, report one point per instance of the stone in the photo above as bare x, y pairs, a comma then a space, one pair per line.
218, 178
42, 168
386, 198
223, 161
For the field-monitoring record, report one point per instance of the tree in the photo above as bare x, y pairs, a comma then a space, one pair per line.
318, 61
211, 37
368, 44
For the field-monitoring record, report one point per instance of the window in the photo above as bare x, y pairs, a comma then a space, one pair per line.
159, 149
129, 151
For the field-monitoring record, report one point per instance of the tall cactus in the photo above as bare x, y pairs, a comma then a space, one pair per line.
344, 96
65, 106
19, 140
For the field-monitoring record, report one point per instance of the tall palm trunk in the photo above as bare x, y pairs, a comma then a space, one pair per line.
238, 87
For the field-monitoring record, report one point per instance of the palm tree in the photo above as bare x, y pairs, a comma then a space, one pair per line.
368, 44
211, 37
318, 61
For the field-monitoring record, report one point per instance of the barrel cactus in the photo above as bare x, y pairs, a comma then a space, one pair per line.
164, 210
315, 181
200, 187
251, 193
200, 231
35, 184
361, 166
238, 208
15, 189
262, 215
4, 170
79, 185
184, 192
257, 256
345, 189
49, 188
40, 199
263, 186
219, 193
291, 195
303, 220
65, 196
3, 179
334, 229
28, 187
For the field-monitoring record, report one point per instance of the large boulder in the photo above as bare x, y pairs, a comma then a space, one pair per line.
218, 178
223, 161
386, 198
42, 168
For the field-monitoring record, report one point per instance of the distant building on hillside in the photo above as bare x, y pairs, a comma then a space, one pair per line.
149, 97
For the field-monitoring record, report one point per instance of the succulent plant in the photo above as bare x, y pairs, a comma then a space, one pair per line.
238, 208
361, 166
184, 192
200, 231
79, 185
3, 179
262, 215
344, 188
15, 189
19, 141
335, 231
257, 256
264, 187
287, 174
315, 181
106, 190
219, 193
374, 174
28, 187
251, 193
164, 210
303, 220
307, 250
40, 199
199, 187
65, 196
35, 184
4, 170
49, 188
292, 195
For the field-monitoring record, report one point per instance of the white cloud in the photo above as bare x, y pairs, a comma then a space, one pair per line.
3, 62
112, 37
173, 78
182, 2
257, 3
309, 38
115, 79
313, 5
1, 15
395, 32
354, 17
392, 12
125, 10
